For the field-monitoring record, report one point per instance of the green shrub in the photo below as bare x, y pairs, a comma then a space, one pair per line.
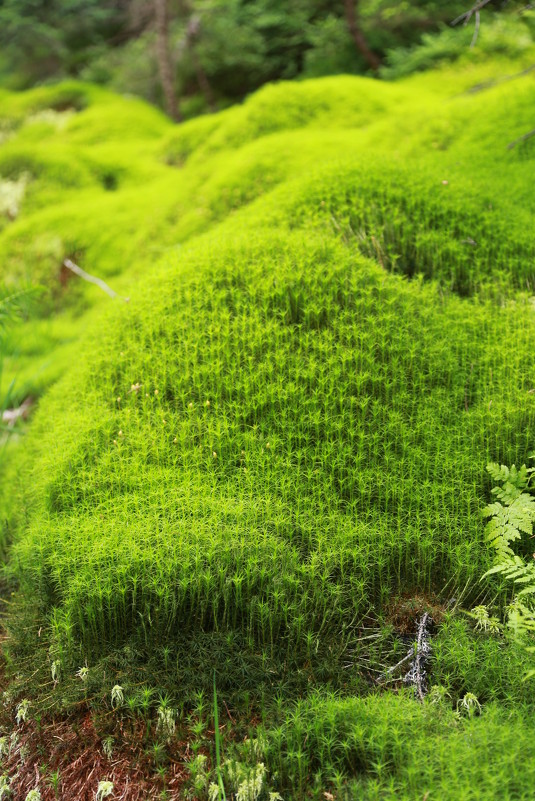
499, 35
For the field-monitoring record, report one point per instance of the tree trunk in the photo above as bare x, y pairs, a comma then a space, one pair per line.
202, 79
192, 34
164, 58
358, 37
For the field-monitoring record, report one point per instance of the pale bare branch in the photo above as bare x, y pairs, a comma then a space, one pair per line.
74, 268
521, 139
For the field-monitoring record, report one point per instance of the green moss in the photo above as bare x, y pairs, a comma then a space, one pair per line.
330, 333
399, 749
349, 413
465, 661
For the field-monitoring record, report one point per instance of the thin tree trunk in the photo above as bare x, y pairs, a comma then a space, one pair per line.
164, 58
202, 79
358, 37
192, 34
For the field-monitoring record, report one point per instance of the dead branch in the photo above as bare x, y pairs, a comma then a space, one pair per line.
10, 416
480, 87
70, 265
521, 139
476, 29
395, 667
418, 655
467, 16
417, 675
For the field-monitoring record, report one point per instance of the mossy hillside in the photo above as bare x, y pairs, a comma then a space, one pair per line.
336, 196
288, 424
102, 163
42, 135
343, 102
85, 158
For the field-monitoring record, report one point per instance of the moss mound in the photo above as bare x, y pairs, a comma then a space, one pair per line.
277, 435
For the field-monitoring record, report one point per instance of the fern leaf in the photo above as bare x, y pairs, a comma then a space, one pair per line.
528, 590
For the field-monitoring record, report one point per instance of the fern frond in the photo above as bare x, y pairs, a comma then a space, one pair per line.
499, 473
511, 481
511, 517
508, 522
13, 302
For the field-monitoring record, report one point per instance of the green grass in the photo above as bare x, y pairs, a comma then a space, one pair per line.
330, 334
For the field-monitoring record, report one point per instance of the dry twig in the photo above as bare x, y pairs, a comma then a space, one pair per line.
467, 16
417, 675
521, 139
10, 416
74, 268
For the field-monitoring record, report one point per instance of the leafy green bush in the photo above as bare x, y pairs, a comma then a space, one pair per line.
497, 36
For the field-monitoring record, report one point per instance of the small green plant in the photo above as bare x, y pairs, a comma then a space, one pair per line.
438, 694
199, 777
157, 752
5, 790
55, 670
213, 792
117, 696
24, 752
132, 706
469, 705
166, 717
104, 790
23, 710
54, 780
248, 782
107, 746
485, 622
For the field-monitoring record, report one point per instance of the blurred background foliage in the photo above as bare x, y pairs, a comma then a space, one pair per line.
216, 52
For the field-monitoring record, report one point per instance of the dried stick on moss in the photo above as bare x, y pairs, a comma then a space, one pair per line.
521, 139
467, 16
417, 674
70, 265
22, 412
